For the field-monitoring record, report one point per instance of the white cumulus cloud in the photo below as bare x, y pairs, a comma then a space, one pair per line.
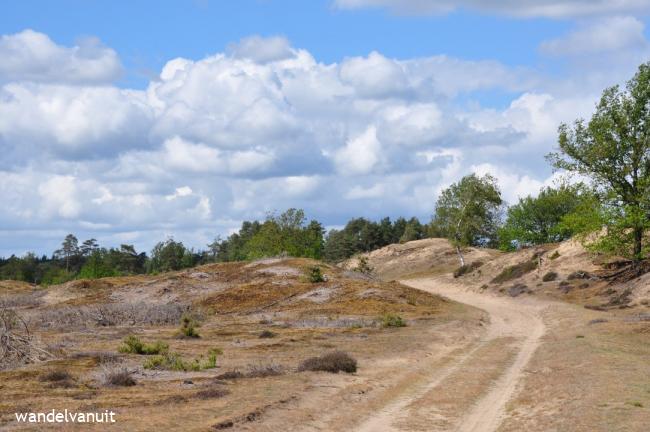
33, 56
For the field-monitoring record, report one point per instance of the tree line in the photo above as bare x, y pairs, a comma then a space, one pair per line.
609, 210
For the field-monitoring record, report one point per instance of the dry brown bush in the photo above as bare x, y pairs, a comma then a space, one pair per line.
111, 314
337, 361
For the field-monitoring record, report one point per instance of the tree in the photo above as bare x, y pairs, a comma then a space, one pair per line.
412, 231
467, 212
88, 247
613, 150
538, 220
69, 250
167, 255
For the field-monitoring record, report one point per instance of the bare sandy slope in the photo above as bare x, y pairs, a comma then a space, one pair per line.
509, 318
540, 366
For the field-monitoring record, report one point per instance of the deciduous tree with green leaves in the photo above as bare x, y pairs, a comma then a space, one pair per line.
467, 212
538, 220
613, 151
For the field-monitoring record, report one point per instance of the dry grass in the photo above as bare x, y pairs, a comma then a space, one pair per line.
89, 320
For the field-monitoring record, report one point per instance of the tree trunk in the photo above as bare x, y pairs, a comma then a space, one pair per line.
638, 238
460, 255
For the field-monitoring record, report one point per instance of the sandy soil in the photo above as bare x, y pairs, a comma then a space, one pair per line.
605, 382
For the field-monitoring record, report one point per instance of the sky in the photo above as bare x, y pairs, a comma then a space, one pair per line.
132, 122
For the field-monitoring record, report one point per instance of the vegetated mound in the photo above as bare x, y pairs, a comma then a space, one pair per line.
425, 257
271, 285
174, 334
14, 287
560, 270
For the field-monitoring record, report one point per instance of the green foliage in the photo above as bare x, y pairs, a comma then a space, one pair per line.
174, 361
87, 261
390, 320
96, 267
467, 212
363, 266
362, 235
188, 327
55, 276
288, 234
613, 150
315, 275
540, 220
133, 345
170, 255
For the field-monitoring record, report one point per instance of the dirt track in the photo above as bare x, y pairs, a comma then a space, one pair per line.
513, 322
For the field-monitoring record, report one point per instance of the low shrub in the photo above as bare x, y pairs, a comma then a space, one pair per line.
188, 327
167, 361
334, 362
467, 268
517, 290
549, 277
101, 357
118, 377
133, 345
515, 271
111, 314
578, 275
390, 320
174, 361
267, 334
363, 266
315, 275
212, 393
56, 375
263, 371
254, 371
555, 255
230, 375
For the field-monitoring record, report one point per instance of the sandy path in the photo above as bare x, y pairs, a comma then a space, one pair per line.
509, 318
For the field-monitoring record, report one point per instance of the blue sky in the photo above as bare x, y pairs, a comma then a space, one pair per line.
146, 34
135, 121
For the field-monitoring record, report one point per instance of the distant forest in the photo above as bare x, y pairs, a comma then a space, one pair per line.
286, 234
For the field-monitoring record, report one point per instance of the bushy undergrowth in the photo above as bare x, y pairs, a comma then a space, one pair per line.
133, 345
117, 376
188, 327
56, 375
315, 275
334, 362
111, 314
174, 361
363, 266
515, 271
390, 320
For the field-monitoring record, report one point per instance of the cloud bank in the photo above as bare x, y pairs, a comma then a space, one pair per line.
264, 126
520, 8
